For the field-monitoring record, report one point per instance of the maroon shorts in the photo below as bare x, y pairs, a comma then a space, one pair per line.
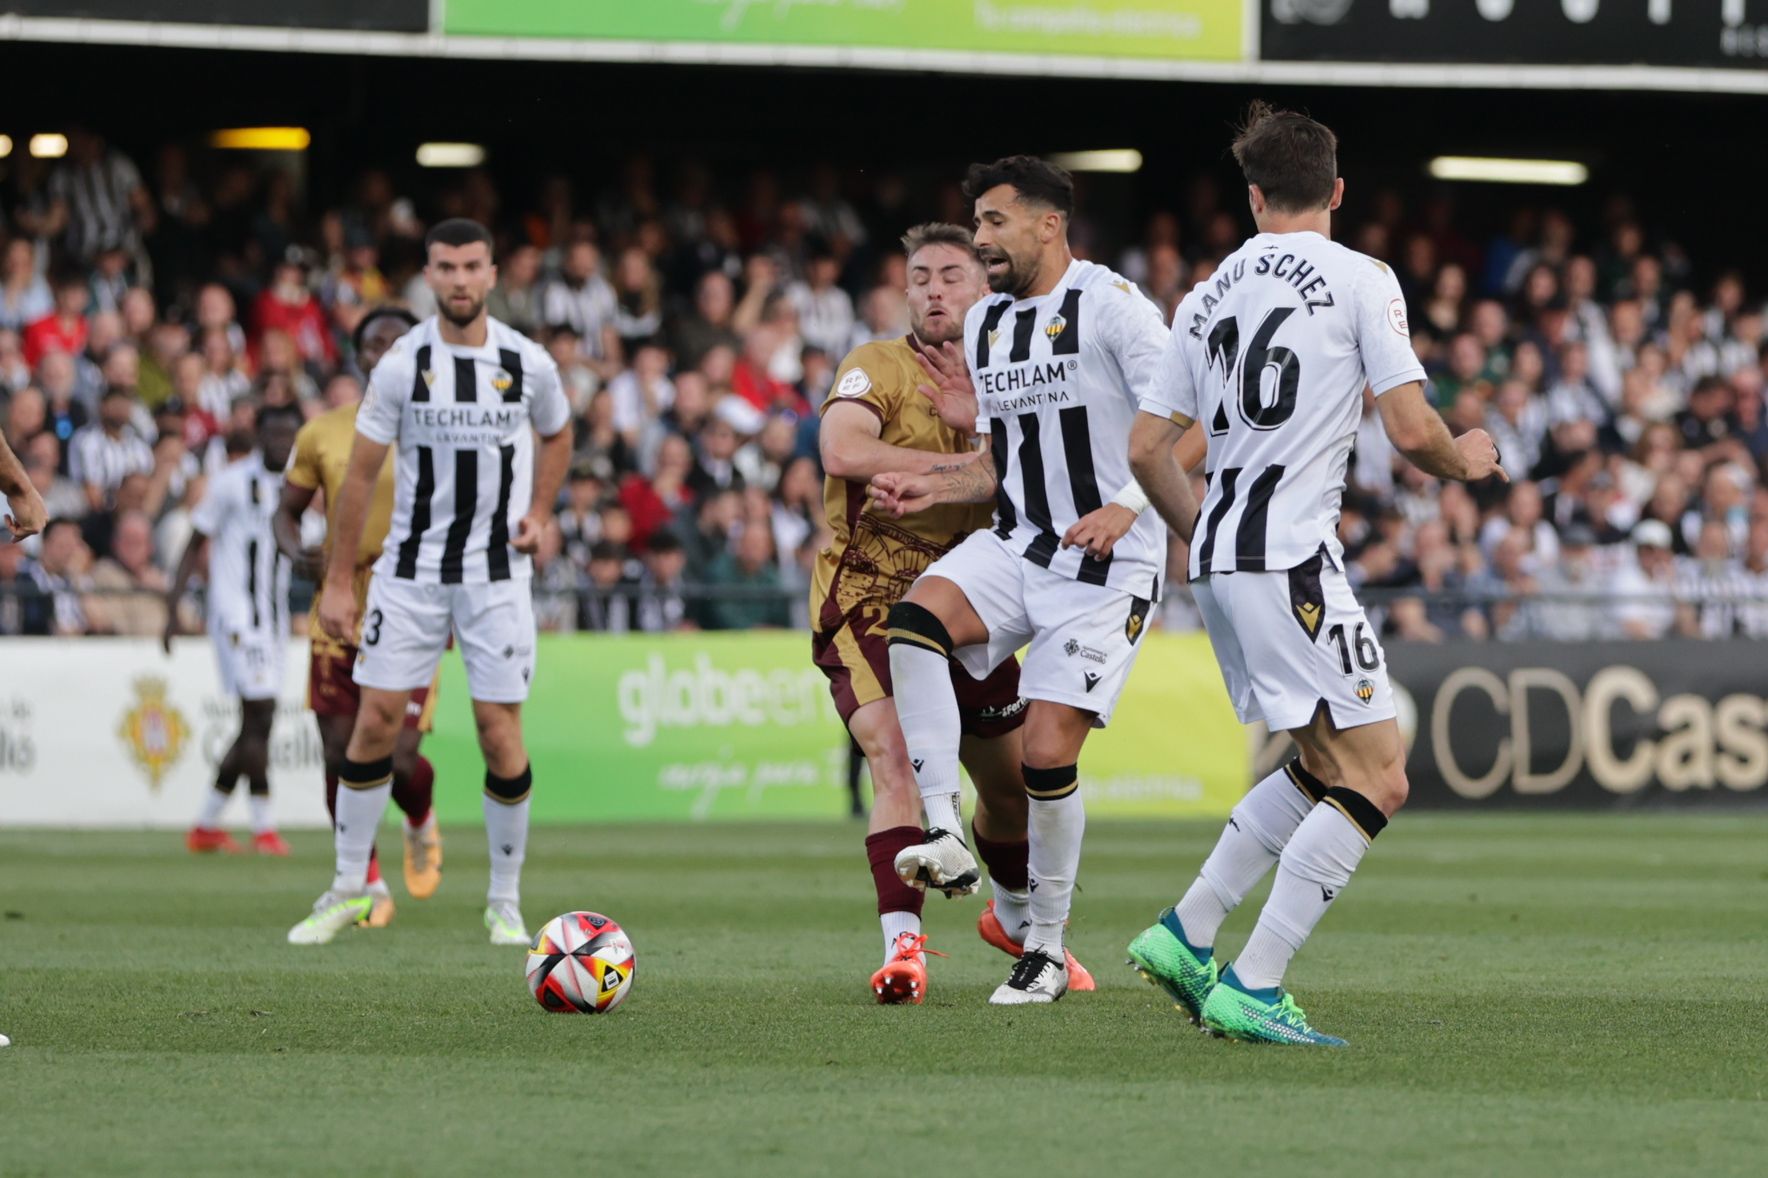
332, 690
856, 659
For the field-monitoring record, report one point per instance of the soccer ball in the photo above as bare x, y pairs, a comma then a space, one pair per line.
581, 963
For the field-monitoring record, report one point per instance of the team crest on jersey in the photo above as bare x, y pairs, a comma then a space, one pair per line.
501, 381
1123, 285
154, 731
1055, 327
1365, 690
994, 334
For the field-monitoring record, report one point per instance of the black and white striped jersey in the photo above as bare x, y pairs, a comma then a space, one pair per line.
1057, 381
1270, 355
248, 585
464, 421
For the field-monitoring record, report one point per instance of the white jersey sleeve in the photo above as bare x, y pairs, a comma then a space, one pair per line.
383, 404
1136, 335
550, 410
1176, 393
217, 502
1383, 335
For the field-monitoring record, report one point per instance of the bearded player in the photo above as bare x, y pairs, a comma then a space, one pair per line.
1058, 357
874, 421
322, 455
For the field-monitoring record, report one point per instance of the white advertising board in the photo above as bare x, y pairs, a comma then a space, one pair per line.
112, 732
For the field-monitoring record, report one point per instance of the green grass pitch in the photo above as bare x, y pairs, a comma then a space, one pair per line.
1539, 995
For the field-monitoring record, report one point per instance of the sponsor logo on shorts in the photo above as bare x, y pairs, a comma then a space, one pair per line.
1091, 654
1092, 679
1309, 615
1004, 712
1365, 690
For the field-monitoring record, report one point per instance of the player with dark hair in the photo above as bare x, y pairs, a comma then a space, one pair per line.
463, 396
875, 420
1070, 571
246, 603
1272, 357
322, 455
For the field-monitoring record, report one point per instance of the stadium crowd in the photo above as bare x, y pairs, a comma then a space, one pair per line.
145, 314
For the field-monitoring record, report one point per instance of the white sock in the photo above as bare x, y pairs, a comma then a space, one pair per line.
895, 924
359, 817
1255, 835
943, 813
263, 820
1012, 909
1056, 826
1314, 868
927, 709
506, 833
213, 803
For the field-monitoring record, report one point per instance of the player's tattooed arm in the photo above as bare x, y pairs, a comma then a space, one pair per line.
899, 493
1154, 458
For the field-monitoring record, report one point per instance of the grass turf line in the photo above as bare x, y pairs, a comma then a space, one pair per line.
1564, 995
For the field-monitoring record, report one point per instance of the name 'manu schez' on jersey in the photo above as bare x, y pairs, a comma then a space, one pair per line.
1271, 356
1058, 379
465, 466
248, 582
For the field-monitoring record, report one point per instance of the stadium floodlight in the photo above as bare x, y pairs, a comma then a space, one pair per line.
49, 146
262, 139
450, 155
5, 146
1491, 170
1123, 160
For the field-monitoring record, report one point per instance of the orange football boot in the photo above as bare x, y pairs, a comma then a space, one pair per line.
203, 840
989, 926
270, 843
904, 976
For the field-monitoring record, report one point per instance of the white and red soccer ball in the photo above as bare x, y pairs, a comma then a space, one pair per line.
581, 963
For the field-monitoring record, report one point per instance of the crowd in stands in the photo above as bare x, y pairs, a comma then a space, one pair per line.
146, 313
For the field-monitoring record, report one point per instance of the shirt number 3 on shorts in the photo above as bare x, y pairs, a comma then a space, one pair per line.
371, 628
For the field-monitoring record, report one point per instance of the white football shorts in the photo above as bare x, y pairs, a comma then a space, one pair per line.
1287, 641
406, 626
250, 660
1080, 640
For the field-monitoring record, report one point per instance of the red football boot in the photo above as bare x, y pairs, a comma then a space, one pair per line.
271, 843
205, 840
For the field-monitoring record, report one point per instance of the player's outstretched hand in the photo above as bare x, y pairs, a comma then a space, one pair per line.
898, 494
953, 397
529, 529
26, 515
1099, 531
1480, 454
337, 612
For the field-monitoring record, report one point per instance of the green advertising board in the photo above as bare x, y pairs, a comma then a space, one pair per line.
1190, 30
698, 727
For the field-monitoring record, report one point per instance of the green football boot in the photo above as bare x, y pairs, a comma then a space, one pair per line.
1164, 958
1260, 1016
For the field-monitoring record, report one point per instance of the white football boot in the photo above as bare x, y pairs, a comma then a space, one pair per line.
942, 861
331, 912
1036, 978
504, 920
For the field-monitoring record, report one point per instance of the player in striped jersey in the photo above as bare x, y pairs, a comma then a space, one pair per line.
1272, 356
247, 607
1071, 569
464, 397
322, 456
876, 419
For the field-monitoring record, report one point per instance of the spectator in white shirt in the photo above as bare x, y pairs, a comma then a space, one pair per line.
582, 298
1642, 592
106, 452
642, 393
825, 312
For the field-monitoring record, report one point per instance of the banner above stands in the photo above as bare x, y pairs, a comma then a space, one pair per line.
1724, 33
